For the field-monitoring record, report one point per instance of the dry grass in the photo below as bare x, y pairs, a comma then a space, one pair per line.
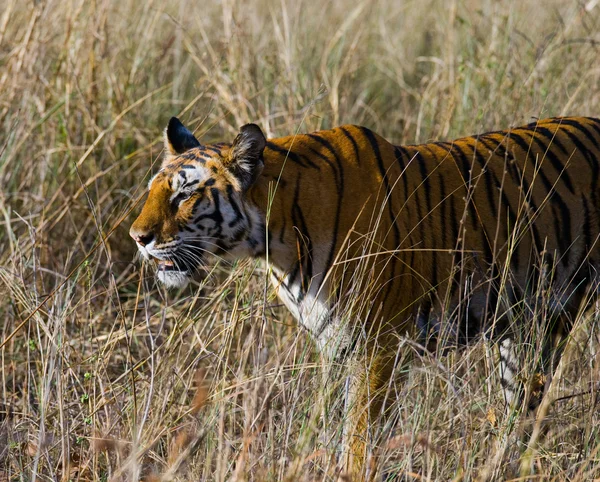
100, 367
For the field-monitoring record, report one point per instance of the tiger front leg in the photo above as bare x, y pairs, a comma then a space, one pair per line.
368, 399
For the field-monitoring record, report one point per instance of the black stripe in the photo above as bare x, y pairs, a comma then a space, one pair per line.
587, 225
456, 281
594, 124
192, 156
457, 290
592, 160
427, 187
418, 207
581, 274
216, 215
453, 220
426, 183
525, 147
484, 237
578, 267
178, 198
291, 279
506, 384
509, 364
557, 202
498, 148
400, 153
444, 212
502, 151
339, 177
551, 137
489, 177
292, 156
514, 175
488, 255
282, 232
354, 144
560, 168
214, 149
464, 166
512, 162
559, 231
492, 185
581, 128
336, 167
434, 269
528, 191
375, 147
511, 224
445, 145
589, 158
306, 247
477, 223
199, 199
234, 206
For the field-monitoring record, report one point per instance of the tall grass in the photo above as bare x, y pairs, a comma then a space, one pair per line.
105, 376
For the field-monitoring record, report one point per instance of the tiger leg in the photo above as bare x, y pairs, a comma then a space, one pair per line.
552, 352
367, 397
509, 439
531, 381
509, 372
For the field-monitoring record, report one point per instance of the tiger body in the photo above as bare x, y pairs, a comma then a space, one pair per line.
366, 240
495, 204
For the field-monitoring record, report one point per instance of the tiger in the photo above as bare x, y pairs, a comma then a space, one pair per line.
366, 241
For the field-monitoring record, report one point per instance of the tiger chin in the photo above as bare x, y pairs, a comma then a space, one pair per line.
173, 277
399, 236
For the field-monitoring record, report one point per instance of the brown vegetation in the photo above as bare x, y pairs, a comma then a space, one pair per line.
99, 366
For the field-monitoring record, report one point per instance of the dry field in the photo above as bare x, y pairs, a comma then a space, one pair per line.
106, 376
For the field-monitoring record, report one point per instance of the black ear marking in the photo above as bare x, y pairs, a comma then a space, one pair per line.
247, 154
178, 138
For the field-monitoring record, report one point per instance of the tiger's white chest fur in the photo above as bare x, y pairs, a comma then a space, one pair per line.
313, 311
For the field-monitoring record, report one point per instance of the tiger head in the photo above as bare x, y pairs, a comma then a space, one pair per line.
196, 203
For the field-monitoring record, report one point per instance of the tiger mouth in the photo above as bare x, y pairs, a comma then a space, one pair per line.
167, 265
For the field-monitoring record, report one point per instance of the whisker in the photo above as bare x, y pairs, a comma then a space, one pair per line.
200, 248
192, 257
190, 247
204, 240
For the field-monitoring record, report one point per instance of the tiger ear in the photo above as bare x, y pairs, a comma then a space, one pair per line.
178, 139
246, 155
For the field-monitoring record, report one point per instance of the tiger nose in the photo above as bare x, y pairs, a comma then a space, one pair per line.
141, 238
